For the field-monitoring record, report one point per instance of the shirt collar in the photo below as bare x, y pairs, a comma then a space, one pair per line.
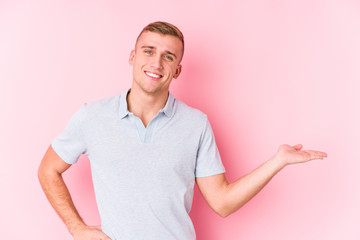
169, 106
167, 110
123, 110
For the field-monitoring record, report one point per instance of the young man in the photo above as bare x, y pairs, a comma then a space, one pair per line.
147, 150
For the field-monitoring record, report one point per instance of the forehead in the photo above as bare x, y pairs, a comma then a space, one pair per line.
159, 41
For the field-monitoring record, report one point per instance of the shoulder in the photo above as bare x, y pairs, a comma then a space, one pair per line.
191, 114
102, 106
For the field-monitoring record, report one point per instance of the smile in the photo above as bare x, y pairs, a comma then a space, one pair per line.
153, 75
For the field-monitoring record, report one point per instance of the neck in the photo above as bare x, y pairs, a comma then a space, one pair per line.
144, 105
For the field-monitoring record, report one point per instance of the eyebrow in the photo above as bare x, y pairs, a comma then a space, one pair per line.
167, 51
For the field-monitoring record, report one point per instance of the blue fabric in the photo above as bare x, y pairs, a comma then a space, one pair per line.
143, 177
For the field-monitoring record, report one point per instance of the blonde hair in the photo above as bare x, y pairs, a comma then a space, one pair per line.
164, 28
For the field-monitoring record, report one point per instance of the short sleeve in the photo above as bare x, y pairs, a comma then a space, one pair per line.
70, 144
208, 160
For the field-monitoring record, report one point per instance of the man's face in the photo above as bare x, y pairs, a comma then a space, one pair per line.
156, 61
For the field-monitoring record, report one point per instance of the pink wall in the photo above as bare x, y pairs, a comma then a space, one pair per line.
265, 72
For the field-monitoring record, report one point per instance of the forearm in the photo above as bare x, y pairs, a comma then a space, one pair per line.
238, 193
60, 199
225, 198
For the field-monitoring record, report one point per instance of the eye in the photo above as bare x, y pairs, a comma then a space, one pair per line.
168, 57
148, 52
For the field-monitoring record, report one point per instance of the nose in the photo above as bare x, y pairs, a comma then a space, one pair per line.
156, 62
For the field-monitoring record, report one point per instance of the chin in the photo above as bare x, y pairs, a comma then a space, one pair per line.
151, 90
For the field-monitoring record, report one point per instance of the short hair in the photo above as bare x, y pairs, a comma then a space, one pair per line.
164, 28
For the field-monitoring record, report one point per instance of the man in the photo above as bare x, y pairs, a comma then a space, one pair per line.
146, 151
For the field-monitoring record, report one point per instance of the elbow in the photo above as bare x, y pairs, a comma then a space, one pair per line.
227, 208
222, 211
223, 207
41, 174
45, 174
223, 214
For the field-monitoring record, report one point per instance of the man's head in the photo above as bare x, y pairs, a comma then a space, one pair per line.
156, 58
164, 28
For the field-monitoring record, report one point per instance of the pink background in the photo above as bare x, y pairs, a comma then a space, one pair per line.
265, 72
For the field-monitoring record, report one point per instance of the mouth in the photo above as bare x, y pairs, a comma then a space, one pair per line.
153, 75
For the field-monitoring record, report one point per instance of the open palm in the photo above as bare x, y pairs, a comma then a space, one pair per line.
294, 154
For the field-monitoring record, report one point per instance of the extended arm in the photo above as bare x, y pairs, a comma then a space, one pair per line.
50, 177
225, 198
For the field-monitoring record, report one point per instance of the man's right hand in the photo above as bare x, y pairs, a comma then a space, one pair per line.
90, 233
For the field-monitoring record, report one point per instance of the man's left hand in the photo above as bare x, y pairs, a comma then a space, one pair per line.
293, 154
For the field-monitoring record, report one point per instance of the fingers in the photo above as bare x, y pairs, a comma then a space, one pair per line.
313, 153
316, 154
105, 237
298, 147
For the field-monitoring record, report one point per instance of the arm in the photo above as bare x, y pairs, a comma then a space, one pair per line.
225, 198
50, 177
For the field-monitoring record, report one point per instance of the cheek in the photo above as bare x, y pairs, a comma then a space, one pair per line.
171, 69
138, 64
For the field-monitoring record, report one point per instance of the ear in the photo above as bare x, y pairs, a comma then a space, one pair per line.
178, 71
132, 57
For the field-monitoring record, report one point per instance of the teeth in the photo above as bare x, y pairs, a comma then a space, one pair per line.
152, 75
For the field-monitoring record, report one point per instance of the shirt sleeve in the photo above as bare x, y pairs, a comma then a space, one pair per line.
70, 144
208, 160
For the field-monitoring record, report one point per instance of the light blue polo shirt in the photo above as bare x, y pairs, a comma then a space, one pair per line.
143, 177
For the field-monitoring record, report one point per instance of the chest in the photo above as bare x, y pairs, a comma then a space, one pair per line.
118, 147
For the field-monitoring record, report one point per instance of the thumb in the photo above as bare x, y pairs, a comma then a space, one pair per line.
298, 147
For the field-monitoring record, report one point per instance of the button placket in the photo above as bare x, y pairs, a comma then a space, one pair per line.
145, 133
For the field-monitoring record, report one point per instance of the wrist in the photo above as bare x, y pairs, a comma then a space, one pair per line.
278, 162
76, 227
